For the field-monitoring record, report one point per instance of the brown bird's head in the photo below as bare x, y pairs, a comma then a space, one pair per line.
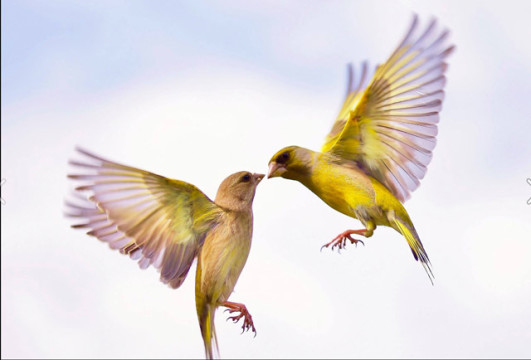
236, 192
292, 162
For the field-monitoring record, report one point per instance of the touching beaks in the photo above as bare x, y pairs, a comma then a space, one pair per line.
275, 169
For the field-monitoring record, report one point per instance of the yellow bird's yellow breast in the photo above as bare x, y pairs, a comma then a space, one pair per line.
342, 187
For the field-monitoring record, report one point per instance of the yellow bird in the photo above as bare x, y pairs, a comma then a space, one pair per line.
381, 142
168, 223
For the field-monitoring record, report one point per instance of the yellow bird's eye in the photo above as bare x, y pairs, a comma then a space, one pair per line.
246, 178
283, 158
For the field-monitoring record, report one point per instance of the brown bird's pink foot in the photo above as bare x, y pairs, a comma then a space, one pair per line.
341, 240
233, 307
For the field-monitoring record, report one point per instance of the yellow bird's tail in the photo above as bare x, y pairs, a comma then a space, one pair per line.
208, 330
406, 228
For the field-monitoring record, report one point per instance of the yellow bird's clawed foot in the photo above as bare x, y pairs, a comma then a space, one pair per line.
341, 240
243, 313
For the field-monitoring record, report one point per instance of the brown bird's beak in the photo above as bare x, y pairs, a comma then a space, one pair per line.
258, 177
275, 169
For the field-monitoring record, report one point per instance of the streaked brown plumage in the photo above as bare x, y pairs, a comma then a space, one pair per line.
168, 223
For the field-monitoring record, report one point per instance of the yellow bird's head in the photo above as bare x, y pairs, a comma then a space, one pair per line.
292, 162
237, 191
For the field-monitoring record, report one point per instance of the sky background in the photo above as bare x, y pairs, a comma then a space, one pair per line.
199, 90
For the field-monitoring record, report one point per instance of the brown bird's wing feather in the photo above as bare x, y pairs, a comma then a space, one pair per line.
390, 128
153, 219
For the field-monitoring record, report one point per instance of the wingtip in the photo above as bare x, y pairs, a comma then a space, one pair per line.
89, 154
81, 150
414, 21
350, 79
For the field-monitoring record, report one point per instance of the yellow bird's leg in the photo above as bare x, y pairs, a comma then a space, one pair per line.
341, 240
243, 312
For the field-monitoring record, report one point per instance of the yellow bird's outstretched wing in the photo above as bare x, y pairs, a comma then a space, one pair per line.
390, 127
355, 88
153, 219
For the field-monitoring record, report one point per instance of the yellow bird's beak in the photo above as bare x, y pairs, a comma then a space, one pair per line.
275, 169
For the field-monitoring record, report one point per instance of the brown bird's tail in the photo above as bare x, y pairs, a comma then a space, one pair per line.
406, 228
208, 330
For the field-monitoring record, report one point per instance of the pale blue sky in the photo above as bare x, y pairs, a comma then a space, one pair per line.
196, 91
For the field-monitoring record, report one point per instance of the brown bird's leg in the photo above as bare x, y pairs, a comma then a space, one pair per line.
243, 312
341, 240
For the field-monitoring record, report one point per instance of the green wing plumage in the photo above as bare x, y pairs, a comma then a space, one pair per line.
390, 127
156, 220
355, 89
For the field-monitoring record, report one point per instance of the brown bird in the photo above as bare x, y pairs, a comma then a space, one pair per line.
168, 223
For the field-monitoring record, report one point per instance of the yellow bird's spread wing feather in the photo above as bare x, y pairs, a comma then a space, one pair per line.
390, 128
355, 89
156, 220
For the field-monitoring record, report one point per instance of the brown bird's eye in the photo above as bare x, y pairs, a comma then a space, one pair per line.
246, 178
283, 158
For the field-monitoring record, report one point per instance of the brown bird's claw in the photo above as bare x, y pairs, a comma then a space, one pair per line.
340, 241
243, 313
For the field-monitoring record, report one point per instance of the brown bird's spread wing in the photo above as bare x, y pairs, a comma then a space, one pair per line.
390, 127
153, 219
